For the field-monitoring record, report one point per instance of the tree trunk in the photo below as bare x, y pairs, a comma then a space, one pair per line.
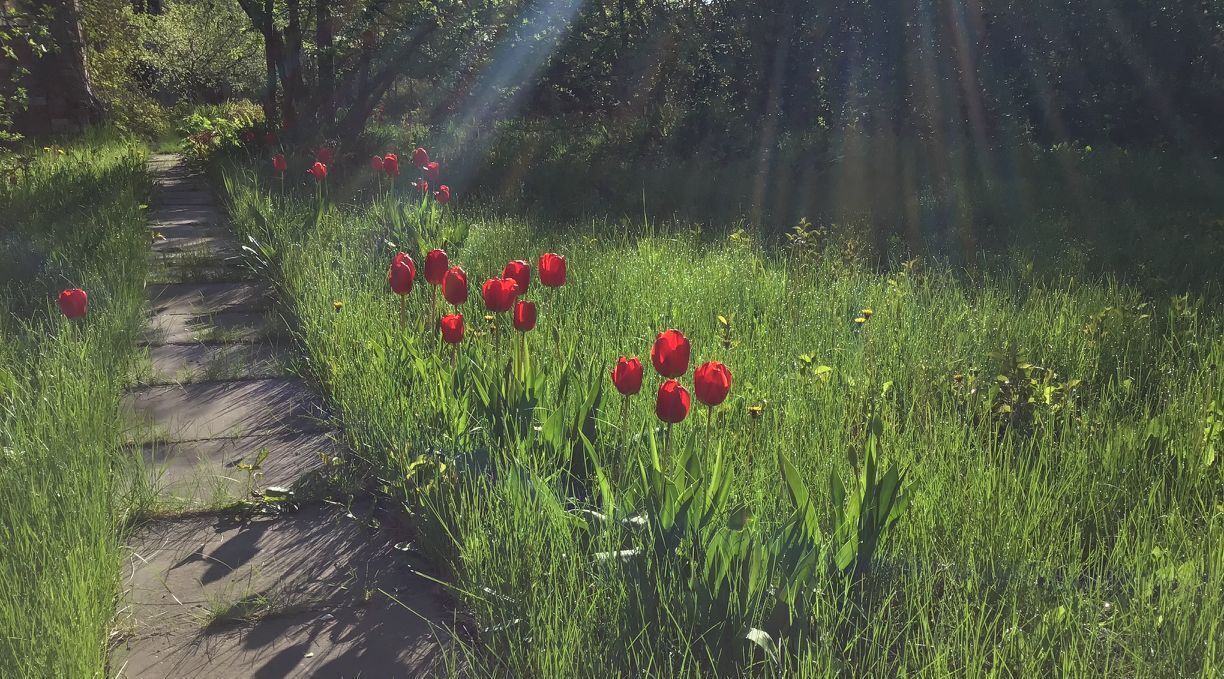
270, 58
324, 39
61, 98
295, 85
368, 97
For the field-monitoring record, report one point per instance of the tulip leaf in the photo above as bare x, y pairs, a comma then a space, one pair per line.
795, 488
740, 516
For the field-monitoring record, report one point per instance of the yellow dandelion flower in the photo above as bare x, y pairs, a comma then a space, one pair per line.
867, 312
338, 306
860, 320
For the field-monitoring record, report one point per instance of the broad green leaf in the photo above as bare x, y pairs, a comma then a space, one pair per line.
795, 488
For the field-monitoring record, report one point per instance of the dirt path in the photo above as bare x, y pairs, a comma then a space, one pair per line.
319, 590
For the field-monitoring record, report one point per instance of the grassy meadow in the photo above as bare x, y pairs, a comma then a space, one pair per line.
1060, 509
73, 217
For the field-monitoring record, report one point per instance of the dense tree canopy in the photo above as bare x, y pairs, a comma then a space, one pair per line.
704, 73
1148, 70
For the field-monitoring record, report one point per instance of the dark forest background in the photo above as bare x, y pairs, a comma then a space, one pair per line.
927, 125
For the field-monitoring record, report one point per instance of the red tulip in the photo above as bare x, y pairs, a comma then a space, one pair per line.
627, 375
670, 353
672, 406
401, 274
319, 171
249, 136
432, 171
436, 264
324, 155
524, 316
73, 303
520, 271
421, 184
420, 157
377, 164
499, 294
455, 286
711, 382
452, 328
442, 195
278, 162
552, 269
391, 165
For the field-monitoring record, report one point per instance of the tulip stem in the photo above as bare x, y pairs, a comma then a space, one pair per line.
433, 302
624, 424
667, 446
709, 422
403, 312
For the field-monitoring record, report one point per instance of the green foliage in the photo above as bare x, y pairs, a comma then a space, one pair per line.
23, 31
207, 131
507, 397
202, 52
863, 517
114, 38
1015, 393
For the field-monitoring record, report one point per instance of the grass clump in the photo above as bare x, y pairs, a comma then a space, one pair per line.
74, 218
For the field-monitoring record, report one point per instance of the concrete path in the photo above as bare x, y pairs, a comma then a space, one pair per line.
242, 583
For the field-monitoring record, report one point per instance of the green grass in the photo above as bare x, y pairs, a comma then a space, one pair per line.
71, 219
1064, 516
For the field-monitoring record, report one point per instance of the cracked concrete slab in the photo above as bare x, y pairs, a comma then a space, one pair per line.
224, 326
205, 410
180, 363
320, 592
208, 472
206, 298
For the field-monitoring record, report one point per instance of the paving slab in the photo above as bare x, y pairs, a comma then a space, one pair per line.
205, 410
196, 267
157, 235
169, 217
381, 640
181, 181
201, 473
206, 298
179, 178
200, 246
180, 363
213, 328
316, 593
178, 196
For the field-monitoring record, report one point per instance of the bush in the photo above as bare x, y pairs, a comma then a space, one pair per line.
203, 52
113, 35
210, 129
